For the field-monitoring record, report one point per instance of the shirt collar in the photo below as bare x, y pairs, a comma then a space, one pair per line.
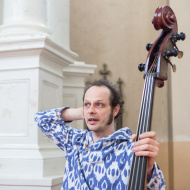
121, 134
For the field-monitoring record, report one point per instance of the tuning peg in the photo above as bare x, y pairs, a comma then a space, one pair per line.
180, 54
174, 68
172, 52
148, 46
173, 65
180, 36
141, 67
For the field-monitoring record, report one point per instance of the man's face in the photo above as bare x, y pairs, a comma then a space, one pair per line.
97, 110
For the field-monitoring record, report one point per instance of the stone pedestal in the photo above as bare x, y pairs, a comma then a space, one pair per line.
47, 183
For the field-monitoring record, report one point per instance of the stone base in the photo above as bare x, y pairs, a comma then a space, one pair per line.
47, 183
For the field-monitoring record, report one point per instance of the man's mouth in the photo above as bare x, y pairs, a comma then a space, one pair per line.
92, 120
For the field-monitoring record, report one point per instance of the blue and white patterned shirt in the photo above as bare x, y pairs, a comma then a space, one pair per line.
104, 165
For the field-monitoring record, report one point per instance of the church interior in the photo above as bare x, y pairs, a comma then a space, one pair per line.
48, 51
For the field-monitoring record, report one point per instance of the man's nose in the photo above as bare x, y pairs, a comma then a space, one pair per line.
92, 109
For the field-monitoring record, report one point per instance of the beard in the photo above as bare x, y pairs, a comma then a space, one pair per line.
110, 118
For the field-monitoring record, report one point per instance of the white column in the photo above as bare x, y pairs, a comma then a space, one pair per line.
1, 11
58, 21
21, 17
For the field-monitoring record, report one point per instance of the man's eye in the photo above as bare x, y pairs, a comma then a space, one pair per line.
99, 105
86, 105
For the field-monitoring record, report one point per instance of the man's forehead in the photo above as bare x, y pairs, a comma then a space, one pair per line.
97, 92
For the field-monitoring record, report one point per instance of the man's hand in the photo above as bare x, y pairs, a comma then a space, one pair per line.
147, 146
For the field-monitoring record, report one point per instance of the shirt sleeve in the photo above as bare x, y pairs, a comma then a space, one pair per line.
52, 125
157, 181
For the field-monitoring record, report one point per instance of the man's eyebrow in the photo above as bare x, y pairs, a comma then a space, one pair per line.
94, 100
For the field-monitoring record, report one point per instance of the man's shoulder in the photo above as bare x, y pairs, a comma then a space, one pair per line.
125, 131
121, 134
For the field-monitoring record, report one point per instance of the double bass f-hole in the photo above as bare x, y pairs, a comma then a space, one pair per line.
155, 71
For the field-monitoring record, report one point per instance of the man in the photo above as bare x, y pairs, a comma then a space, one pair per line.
99, 159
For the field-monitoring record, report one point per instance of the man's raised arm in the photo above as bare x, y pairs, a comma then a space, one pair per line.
72, 114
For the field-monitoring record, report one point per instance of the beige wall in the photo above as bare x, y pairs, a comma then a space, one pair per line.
116, 33
181, 101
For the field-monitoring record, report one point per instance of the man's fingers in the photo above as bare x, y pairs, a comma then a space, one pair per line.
147, 141
147, 154
149, 134
146, 147
133, 137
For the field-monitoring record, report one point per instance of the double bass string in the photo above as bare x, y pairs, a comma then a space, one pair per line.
132, 180
143, 126
147, 114
146, 123
142, 160
137, 160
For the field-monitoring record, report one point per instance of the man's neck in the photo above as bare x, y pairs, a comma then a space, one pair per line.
97, 135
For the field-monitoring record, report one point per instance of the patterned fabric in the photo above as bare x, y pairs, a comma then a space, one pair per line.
104, 165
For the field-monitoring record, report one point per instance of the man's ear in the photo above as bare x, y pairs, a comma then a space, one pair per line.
116, 110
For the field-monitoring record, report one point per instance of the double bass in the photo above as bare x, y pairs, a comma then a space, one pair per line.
155, 73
